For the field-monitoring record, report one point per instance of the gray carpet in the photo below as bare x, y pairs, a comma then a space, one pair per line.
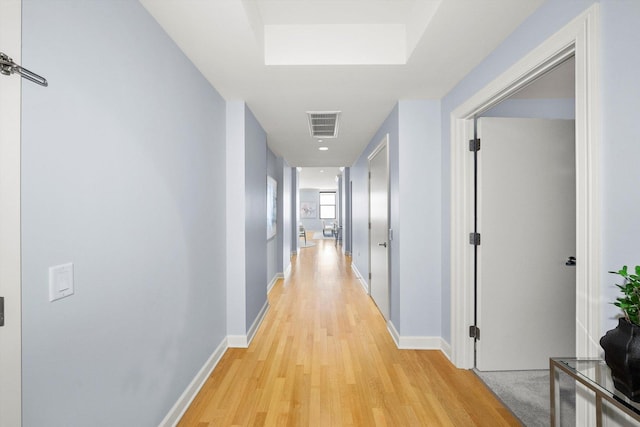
306, 245
526, 394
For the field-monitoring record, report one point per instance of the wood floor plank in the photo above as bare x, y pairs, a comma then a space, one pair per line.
323, 357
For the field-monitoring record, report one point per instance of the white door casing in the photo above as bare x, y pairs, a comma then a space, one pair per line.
579, 38
10, 106
379, 226
526, 219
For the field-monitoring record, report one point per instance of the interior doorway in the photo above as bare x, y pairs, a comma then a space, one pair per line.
525, 210
578, 38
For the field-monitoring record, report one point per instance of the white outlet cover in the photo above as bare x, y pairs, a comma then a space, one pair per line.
61, 281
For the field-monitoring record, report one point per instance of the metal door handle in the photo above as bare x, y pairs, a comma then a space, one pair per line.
571, 261
383, 244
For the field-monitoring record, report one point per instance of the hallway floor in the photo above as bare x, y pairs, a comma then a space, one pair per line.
323, 357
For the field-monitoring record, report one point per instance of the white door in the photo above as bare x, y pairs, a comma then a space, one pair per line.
526, 220
10, 350
379, 230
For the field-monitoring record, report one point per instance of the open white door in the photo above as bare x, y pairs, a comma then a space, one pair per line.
10, 333
526, 294
379, 230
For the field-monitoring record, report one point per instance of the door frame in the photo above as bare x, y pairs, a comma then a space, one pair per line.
383, 145
579, 38
10, 249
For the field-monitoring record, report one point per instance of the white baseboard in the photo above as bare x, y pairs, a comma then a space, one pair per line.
273, 281
394, 333
178, 410
418, 342
446, 349
363, 282
243, 341
237, 341
256, 323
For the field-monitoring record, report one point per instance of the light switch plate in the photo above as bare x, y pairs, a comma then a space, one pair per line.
60, 281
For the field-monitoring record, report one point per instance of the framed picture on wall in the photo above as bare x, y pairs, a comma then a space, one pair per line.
272, 207
308, 210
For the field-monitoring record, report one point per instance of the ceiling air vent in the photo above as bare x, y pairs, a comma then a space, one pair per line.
323, 124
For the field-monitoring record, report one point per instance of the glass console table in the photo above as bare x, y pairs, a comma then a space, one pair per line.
595, 375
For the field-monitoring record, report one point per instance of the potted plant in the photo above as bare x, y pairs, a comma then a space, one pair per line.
622, 344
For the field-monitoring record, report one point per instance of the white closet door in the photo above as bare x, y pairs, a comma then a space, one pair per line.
526, 219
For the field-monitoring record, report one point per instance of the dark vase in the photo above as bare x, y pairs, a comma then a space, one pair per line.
622, 354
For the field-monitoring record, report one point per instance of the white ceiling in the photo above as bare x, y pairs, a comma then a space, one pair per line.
361, 57
321, 178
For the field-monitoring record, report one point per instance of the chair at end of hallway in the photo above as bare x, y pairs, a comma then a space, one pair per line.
302, 233
327, 229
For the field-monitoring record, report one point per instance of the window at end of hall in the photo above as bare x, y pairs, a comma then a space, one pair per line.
328, 205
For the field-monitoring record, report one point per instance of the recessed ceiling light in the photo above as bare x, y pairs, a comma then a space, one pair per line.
323, 148
321, 170
319, 140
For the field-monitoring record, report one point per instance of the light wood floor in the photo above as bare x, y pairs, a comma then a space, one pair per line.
323, 357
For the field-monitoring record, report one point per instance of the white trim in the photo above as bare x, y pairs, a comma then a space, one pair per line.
287, 271
360, 278
273, 281
237, 341
579, 37
243, 341
10, 225
394, 333
192, 390
446, 349
418, 342
256, 323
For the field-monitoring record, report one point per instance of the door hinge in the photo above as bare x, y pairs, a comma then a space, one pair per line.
474, 332
474, 145
369, 275
474, 239
1, 311
369, 226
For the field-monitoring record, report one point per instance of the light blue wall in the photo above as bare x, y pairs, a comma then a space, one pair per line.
295, 210
620, 52
234, 227
122, 174
548, 19
287, 218
310, 195
360, 209
346, 209
255, 216
313, 195
415, 194
275, 169
419, 214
